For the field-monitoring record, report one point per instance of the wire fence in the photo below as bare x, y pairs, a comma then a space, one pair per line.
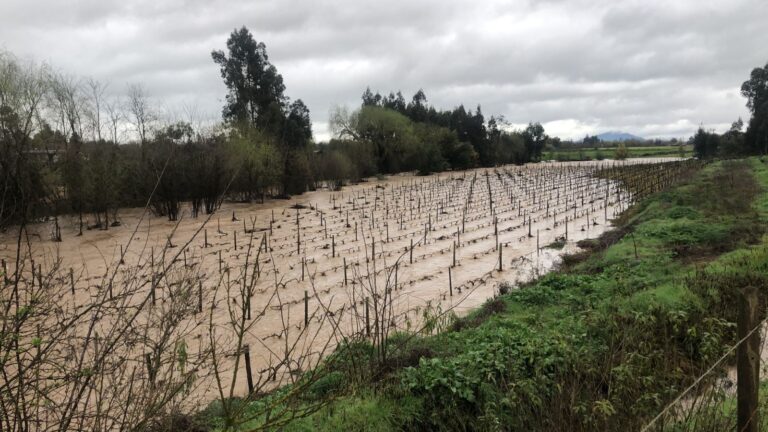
710, 403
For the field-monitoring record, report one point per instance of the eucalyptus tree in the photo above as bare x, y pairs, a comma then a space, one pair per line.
256, 98
755, 89
255, 88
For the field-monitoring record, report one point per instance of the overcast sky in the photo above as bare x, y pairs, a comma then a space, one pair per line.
655, 68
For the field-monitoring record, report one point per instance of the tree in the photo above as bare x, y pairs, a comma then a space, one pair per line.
257, 162
755, 89
298, 126
591, 140
417, 109
368, 98
359, 153
115, 116
435, 144
76, 179
396, 102
756, 137
95, 91
343, 124
705, 144
255, 88
391, 135
22, 93
142, 115
512, 148
255, 99
68, 103
297, 135
102, 164
732, 141
621, 152
535, 139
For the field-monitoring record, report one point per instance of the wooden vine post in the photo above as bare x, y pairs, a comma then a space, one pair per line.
367, 318
411, 252
248, 372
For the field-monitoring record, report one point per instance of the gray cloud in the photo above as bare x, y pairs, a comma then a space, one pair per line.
654, 68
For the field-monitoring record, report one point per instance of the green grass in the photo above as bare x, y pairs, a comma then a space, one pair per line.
720, 413
601, 345
367, 412
599, 153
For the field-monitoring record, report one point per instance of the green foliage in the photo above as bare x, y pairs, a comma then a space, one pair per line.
365, 412
705, 144
463, 136
535, 139
327, 385
297, 174
599, 155
255, 100
255, 87
435, 320
621, 152
755, 89
683, 232
391, 135
255, 160
334, 167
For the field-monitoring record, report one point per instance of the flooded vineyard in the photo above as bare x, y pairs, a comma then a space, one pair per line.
256, 294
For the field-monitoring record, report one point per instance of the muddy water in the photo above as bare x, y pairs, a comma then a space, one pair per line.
397, 237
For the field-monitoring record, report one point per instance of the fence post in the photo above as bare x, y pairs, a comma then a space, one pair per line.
748, 362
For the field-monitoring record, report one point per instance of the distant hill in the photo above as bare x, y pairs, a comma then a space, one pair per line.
618, 136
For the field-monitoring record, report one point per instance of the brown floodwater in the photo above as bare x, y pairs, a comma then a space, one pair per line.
415, 225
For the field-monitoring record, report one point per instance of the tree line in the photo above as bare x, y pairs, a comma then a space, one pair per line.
57, 157
64, 148
386, 134
736, 141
